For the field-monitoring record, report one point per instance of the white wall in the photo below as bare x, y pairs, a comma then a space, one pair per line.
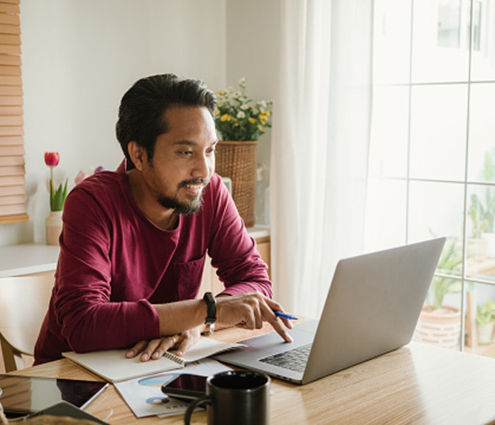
79, 57
253, 41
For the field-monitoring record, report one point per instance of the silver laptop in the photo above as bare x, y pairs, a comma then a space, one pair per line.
372, 308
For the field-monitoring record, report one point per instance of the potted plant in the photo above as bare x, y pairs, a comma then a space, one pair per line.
484, 322
58, 194
438, 323
240, 121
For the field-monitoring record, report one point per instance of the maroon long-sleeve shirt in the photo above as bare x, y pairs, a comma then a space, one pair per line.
114, 263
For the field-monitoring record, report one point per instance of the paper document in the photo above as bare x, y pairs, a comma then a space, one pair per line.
113, 366
145, 397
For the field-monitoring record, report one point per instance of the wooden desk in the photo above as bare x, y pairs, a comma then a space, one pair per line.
417, 384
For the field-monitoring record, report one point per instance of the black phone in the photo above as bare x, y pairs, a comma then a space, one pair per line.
186, 386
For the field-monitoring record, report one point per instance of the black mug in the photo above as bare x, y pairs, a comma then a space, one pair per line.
235, 397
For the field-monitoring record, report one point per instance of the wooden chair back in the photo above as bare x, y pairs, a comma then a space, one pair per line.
23, 304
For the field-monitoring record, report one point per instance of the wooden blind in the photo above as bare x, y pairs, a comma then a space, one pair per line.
12, 192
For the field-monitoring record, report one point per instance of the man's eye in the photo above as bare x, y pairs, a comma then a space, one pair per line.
186, 153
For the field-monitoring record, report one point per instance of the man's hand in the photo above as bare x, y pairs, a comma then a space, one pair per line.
250, 311
156, 348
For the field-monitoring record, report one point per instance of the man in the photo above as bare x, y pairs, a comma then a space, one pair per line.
134, 241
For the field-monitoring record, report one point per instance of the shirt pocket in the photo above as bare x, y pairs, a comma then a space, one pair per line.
188, 277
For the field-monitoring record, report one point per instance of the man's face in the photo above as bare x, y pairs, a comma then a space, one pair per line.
183, 160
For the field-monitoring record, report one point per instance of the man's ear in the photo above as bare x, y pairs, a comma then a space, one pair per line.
138, 155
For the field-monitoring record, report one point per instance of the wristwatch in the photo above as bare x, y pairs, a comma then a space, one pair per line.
211, 312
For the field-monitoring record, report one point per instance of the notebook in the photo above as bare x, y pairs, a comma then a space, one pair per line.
113, 366
372, 307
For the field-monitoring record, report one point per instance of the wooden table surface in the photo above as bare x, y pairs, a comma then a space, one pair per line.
417, 384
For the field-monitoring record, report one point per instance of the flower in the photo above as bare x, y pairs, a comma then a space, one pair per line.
81, 175
57, 197
52, 159
239, 117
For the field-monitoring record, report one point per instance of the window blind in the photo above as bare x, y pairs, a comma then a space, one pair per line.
12, 192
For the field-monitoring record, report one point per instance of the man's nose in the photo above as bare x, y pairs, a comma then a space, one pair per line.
204, 166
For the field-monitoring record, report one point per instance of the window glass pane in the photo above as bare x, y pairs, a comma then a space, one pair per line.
482, 133
441, 326
480, 317
438, 131
481, 232
436, 209
449, 23
385, 214
483, 52
391, 39
440, 40
388, 150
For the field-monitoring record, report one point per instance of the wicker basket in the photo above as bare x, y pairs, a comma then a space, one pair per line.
237, 160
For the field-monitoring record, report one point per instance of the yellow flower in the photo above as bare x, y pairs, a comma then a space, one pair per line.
259, 127
236, 124
251, 120
225, 117
220, 92
217, 112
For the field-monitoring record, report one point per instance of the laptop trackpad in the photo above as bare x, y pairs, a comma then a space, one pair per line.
273, 343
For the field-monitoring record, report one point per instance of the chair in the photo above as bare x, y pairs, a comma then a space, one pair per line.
23, 304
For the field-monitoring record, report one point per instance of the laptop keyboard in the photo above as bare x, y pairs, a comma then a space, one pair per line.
295, 359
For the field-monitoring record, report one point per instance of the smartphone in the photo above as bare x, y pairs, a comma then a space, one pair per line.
186, 386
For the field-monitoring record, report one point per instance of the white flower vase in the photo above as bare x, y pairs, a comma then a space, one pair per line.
485, 332
53, 227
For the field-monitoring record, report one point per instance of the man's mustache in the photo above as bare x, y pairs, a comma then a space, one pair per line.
184, 183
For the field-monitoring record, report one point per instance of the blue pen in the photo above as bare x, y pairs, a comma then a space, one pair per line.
284, 315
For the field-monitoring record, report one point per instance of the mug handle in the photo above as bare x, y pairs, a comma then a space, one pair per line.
196, 403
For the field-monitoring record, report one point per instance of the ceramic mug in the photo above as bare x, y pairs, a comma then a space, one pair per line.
235, 397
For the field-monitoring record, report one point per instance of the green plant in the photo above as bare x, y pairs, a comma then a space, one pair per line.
485, 313
482, 214
239, 117
477, 213
449, 260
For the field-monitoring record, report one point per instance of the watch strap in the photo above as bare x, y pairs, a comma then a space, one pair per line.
211, 308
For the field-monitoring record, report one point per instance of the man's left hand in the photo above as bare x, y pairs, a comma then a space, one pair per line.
156, 348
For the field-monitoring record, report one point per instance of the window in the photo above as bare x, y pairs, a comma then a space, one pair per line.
12, 194
432, 155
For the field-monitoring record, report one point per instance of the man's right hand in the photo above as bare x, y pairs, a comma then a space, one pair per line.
249, 311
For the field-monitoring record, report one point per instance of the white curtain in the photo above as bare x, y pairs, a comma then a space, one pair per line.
320, 137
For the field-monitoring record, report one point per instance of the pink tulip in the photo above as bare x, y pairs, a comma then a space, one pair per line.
52, 159
80, 177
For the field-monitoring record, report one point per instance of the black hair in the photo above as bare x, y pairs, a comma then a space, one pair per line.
143, 105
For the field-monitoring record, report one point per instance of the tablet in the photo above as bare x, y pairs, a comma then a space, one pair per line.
22, 395
68, 410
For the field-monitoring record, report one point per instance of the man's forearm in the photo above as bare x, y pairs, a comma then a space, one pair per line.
180, 316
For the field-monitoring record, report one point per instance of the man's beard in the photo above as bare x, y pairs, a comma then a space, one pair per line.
184, 208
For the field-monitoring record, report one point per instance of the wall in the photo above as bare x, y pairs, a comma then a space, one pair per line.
253, 42
79, 57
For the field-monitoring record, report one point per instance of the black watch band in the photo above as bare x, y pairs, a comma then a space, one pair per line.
211, 311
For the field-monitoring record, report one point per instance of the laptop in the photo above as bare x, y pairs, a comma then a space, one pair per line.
372, 307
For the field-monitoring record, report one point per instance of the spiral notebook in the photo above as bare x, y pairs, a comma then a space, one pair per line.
113, 366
